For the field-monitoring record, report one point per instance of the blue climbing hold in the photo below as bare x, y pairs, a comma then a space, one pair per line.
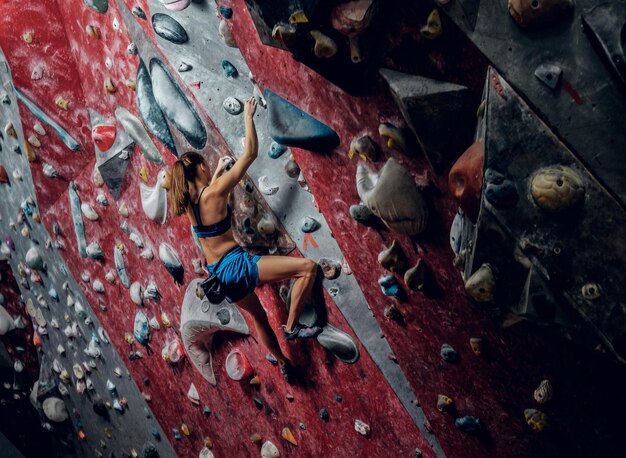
469, 425
229, 69
177, 434
449, 354
156, 434
291, 126
225, 11
389, 285
276, 150
499, 192
309, 225
206, 411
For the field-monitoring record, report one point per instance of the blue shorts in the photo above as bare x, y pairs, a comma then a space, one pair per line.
237, 272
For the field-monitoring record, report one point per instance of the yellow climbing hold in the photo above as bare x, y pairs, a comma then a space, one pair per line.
109, 86
61, 102
432, 29
288, 436
97, 454
30, 153
131, 84
165, 320
27, 37
143, 174
256, 380
128, 337
298, 17
185, 429
103, 444
107, 433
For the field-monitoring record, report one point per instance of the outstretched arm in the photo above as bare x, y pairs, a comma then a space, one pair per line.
225, 183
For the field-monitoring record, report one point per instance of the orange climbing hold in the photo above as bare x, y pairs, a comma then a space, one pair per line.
288, 436
256, 380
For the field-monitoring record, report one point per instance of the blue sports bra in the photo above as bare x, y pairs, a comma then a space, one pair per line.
212, 230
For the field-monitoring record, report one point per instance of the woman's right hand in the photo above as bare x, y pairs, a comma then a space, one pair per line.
250, 107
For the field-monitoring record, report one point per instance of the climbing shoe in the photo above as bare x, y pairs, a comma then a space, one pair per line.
302, 332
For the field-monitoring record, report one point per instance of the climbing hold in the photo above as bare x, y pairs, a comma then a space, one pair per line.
34, 141
534, 13
481, 285
94, 251
100, 6
98, 287
389, 285
150, 110
54, 409
392, 195
154, 199
339, 343
256, 380
192, 394
536, 419
432, 29
61, 102
292, 169
288, 436
325, 47
137, 11
33, 259
361, 428
151, 292
499, 192
141, 330
4, 176
120, 266
324, 415
477, 345
135, 293
291, 126
445, 404
225, 11
232, 105
10, 130
330, 268
269, 450
393, 136
184, 67
6, 321
465, 179
237, 366
393, 258
27, 37
109, 86
469, 425
92, 32
309, 225
256, 438
549, 74
175, 105
351, 19
266, 226
364, 147
418, 277
543, 393
171, 262
169, 28
226, 34
103, 136
590, 291
229, 69
185, 429
135, 130
276, 150
88, 211
557, 188
266, 187
449, 354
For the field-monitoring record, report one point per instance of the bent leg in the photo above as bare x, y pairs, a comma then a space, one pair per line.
276, 268
252, 305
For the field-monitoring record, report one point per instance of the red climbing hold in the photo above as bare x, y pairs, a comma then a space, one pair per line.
103, 136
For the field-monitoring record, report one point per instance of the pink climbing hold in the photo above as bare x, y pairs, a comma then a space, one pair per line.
103, 136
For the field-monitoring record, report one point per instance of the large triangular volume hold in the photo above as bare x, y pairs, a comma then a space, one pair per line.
113, 170
431, 109
291, 126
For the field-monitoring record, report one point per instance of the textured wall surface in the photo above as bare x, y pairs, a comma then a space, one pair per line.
496, 387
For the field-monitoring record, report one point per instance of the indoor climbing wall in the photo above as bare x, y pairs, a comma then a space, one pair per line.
363, 109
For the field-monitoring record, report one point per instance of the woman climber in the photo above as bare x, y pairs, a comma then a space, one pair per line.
204, 200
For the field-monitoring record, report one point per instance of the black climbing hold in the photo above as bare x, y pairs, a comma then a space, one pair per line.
146, 381
169, 28
469, 425
258, 403
291, 126
149, 450
324, 415
338, 398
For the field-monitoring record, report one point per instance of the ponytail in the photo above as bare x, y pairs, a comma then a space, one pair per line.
184, 170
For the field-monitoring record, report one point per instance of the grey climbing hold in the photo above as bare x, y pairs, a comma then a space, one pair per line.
339, 343
184, 67
149, 109
232, 105
176, 106
136, 131
291, 126
169, 28
449, 354
223, 315
549, 74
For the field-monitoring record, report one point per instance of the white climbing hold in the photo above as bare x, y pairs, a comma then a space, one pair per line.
136, 239
266, 187
269, 450
154, 199
193, 395
147, 254
102, 199
110, 277
98, 287
361, 428
88, 211
135, 293
6, 321
39, 129
85, 276
54, 409
49, 170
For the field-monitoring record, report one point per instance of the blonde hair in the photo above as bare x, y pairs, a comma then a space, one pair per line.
184, 170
